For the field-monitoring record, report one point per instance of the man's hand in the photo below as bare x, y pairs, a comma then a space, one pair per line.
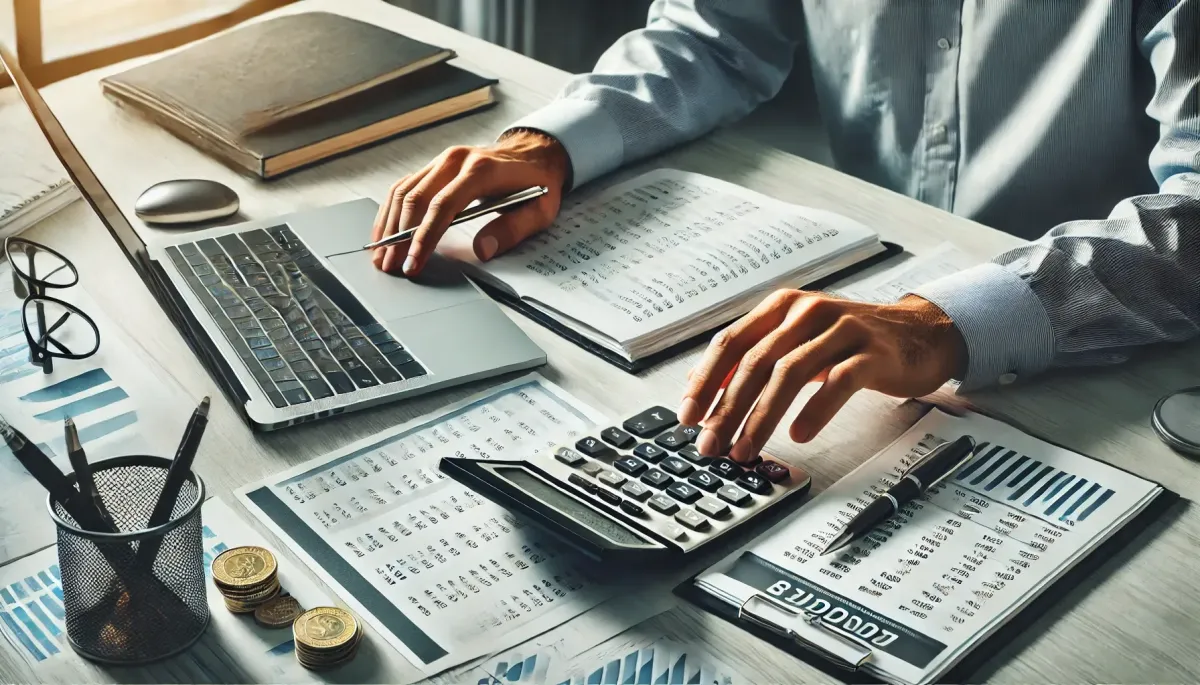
907, 349
432, 197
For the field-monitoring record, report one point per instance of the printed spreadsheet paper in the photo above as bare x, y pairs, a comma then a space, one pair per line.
950, 568
442, 573
121, 403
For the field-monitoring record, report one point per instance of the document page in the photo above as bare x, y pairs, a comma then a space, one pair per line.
665, 246
897, 281
949, 568
444, 574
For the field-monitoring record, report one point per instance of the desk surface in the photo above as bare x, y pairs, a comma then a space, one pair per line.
1136, 613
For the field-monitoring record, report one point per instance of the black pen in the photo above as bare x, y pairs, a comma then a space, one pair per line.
83, 471
941, 461
181, 466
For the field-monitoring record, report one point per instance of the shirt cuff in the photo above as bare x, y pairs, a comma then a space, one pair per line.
1004, 325
591, 137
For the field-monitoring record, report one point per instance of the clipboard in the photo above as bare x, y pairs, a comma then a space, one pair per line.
638, 365
843, 656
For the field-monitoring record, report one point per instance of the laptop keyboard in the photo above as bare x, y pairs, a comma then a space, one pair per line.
299, 331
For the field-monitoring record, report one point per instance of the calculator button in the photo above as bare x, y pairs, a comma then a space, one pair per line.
636, 490
677, 437
569, 456
726, 468
592, 447
663, 504
632, 509
656, 478
651, 453
683, 492
676, 466
633, 467
734, 495
755, 482
705, 481
591, 468
774, 471
576, 479
676, 532
610, 497
650, 422
692, 454
691, 519
617, 437
712, 508
611, 479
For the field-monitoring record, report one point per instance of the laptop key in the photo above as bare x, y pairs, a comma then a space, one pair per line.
266, 353
341, 382
281, 375
298, 396
411, 370
399, 357
273, 364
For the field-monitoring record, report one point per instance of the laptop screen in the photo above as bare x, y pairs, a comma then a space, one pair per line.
85, 180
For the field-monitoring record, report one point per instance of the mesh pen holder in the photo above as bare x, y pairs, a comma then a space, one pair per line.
139, 595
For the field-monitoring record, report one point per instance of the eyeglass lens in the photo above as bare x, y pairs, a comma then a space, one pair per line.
41, 266
60, 329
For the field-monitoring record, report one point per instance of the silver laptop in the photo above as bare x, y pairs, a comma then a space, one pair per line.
288, 331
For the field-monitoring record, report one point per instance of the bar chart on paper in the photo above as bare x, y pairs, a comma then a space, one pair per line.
661, 663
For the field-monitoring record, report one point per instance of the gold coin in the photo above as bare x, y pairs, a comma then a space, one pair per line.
240, 567
324, 662
251, 594
324, 628
278, 612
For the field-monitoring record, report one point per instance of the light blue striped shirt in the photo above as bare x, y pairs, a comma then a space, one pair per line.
1072, 123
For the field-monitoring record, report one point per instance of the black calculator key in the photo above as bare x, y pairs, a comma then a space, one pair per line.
636, 490
705, 481
651, 453
683, 492
569, 456
630, 465
592, 447
650, 422
774, 471
755, 482
692, 520
692, 454
663, 504
734, 495
617, 438
726, 468
589, 486
677, 437
609, 496
712, 508
657, 479
676, 466
632, 509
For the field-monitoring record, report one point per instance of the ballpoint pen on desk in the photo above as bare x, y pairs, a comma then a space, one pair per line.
177, 474
468, 214
83, 472
930, 470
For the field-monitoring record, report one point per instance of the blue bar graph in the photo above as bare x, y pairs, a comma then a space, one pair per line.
68, 387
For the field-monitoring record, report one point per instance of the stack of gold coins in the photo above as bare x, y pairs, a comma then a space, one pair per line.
326, 637
246, 577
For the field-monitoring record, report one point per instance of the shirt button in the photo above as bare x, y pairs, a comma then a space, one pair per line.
943, 44
1007, 378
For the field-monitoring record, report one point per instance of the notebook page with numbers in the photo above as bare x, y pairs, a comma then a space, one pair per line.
652, 262
916, 596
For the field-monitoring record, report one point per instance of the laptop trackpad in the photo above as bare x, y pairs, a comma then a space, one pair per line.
440, 285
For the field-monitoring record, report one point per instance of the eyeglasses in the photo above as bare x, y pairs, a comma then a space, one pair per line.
53, 328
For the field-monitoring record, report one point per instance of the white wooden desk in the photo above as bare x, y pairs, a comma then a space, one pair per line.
1134, 620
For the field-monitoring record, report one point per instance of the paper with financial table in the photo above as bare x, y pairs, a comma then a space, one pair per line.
946, 572
442, 573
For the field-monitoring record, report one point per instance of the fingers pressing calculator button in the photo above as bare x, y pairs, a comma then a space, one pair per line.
711, 507
617, 437
632, 509
726, 468
734, 495
663, 504
692, 520
650, 422
569, 456
774, 471
678, 437
705, 481
611, 479
755, 482
677, 467
629, 465
651, 453
576, 479
683, 492
610, 497
592, 447
656, 478
636, 490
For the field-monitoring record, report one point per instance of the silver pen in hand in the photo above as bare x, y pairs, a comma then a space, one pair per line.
467, 214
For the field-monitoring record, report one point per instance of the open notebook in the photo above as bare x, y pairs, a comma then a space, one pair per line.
911, 600
633, 270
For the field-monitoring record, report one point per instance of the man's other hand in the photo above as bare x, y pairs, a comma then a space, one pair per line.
433, 196
907, 349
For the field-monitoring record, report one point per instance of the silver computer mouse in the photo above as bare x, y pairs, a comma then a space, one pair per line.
186, 201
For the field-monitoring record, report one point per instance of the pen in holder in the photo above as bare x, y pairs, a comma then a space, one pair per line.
122, 607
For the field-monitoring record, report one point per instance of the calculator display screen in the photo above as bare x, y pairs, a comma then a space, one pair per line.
571, 507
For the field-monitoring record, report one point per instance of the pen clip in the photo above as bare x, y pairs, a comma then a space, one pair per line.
934, 451
808, 629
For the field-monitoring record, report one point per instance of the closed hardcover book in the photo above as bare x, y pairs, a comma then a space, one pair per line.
283, 93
